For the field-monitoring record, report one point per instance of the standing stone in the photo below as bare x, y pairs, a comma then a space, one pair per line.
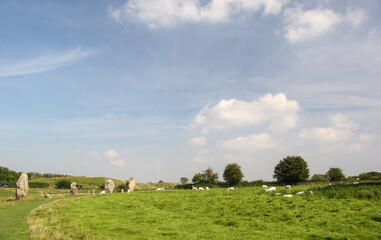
130, 184
73, 189
109, 186
22, 187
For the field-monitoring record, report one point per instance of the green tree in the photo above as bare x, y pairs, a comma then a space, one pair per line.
63, 184
291, 169
184, 180
335, 174
209, 175
198, 178
233, 174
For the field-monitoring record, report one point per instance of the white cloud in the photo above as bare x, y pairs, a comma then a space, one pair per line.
340, 131
44, 63
197, 142
277, 111
111, 154
118, 163
307, 25
365, 137
250, 143
311, 24
167, 13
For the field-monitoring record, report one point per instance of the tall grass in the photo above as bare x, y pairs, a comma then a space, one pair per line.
346, 191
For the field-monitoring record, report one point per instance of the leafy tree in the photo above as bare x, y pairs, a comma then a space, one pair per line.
63, 184
184, 180
161, 181
209, 175
198, 178
335, 174
291, 169
233, 174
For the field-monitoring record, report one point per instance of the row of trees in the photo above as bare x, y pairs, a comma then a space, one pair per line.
291, 169
7, 175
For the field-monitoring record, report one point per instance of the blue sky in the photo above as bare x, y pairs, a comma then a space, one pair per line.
161, 89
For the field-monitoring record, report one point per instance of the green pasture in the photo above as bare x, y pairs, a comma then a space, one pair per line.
246, 213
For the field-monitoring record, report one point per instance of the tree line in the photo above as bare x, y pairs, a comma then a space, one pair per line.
289, 170
7, 176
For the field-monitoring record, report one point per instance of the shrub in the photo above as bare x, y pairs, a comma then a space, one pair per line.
63, 184
39, 185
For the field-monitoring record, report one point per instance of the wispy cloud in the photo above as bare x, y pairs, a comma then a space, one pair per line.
44, 63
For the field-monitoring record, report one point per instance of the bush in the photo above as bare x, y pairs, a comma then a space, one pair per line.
120, 187
63, 184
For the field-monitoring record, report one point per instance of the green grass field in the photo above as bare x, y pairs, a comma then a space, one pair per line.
216, 214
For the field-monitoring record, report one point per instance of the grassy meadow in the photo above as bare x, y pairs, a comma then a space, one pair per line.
246, 213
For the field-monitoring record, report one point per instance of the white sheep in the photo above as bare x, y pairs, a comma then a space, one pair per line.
287, 187
264, 186
355, 182
48, 196
272, 189
277, 193
300, 193
103, 192
194, 188
311, 192
288, 195
160, 189
231, 189
206, 188
200, 188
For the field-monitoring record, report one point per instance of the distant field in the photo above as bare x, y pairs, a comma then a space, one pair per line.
89, 183
336, 212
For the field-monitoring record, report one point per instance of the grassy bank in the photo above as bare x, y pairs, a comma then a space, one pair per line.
214, 214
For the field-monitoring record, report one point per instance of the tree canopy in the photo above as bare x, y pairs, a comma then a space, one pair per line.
291, 169
335, 174
233, 174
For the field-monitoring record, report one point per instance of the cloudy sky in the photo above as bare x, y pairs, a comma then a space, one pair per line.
162, 89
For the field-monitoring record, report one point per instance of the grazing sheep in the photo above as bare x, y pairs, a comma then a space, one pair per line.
200, 188
194, 188
103, 192
264, 186
206, 188
231, 189
287, 187
277, 193
160, 189
288, 195
329, 184
355, 182
311, 192
299, 193
272, 189
129, 190
48, 196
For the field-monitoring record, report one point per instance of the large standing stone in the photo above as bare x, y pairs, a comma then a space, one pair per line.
109, 186
73, 189
131, 184
22, 187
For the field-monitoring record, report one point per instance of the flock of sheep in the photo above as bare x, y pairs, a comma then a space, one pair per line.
266, 188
